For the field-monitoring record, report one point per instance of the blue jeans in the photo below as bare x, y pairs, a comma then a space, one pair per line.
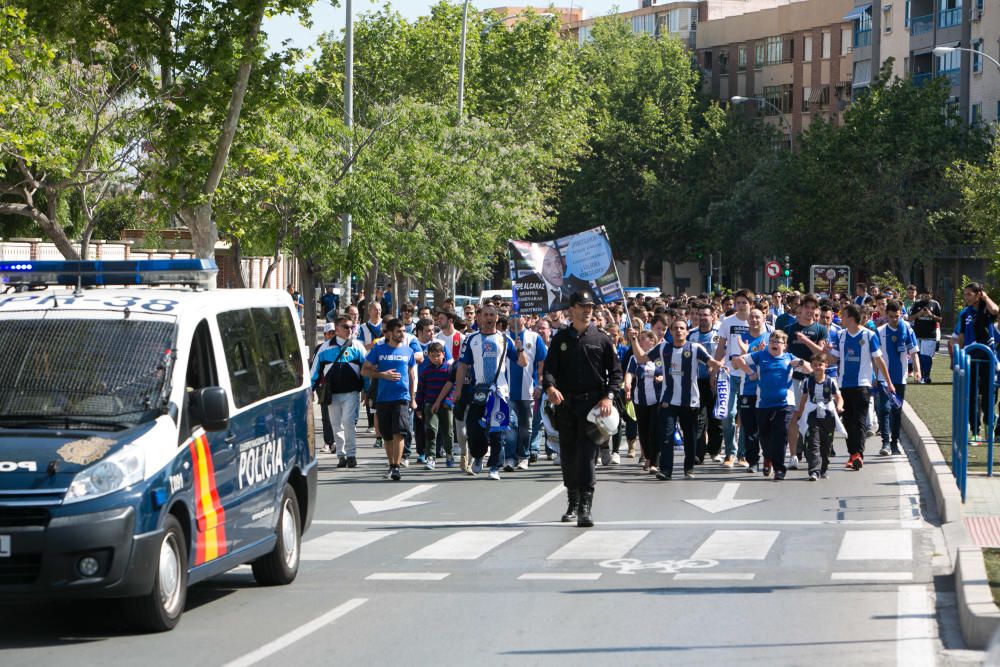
537, 431
889, 416
521, 412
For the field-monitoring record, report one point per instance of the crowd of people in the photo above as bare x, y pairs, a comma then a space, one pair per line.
795, 370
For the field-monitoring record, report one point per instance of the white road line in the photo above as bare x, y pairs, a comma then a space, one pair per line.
524, 513
600, 545
464, 545
560, 576
909, 494
871, 576
736, 545
406, 576
714, 576
336, 544
297, 634
636, 522
916, 633
876, 545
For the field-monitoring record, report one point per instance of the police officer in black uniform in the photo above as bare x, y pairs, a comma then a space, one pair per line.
581, 371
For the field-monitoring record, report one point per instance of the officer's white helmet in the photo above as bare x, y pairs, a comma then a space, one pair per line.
606, 426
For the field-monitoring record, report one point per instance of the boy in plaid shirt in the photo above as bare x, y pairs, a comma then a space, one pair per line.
435, 405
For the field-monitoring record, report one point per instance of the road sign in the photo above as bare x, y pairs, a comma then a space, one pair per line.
772, 269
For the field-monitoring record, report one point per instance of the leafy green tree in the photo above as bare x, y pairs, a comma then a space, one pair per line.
979, 187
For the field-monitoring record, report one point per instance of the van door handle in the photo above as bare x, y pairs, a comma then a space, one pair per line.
231, 439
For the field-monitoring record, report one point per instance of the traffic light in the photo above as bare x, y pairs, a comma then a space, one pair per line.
788, 269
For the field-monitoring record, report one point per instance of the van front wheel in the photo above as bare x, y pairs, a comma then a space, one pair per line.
282, 565
161, 608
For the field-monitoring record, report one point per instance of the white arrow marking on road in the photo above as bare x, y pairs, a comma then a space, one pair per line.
397, 502
726, 500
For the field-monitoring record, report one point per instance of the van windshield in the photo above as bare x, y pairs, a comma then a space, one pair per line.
84, 372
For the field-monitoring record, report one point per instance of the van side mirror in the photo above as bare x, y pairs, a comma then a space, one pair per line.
210, 408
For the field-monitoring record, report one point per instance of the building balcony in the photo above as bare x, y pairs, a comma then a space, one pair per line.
954, 76
922, 79
862, 38
950, 17
921, 24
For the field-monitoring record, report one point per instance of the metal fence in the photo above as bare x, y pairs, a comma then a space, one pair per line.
973, 413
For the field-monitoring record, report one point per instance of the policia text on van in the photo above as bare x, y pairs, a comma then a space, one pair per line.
150, 437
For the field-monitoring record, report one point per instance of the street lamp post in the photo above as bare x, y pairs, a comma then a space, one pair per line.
345, 232
739, 99
943, 50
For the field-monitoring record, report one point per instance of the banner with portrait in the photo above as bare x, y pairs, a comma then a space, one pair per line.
544, 275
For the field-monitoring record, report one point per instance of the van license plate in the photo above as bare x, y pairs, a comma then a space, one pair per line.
4, 546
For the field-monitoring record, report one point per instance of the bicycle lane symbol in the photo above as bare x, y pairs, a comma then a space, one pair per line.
633, 565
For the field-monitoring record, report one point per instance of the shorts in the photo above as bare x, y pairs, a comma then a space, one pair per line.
393, 418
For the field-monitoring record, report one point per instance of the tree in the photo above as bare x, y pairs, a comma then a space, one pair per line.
979, 188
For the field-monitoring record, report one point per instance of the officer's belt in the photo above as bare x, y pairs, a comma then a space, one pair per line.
595, 395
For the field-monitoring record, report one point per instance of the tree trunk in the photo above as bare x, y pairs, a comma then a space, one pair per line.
438, 280
307, 282
240, 278
422, 291
404, 289
395, 293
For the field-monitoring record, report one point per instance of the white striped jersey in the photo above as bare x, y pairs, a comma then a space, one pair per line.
855, 354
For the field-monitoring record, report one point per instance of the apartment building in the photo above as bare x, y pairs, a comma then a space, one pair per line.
566, 15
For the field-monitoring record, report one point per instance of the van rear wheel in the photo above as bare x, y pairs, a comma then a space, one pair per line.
281, 566
161, 608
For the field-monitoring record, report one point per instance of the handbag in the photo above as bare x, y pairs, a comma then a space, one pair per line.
481, 391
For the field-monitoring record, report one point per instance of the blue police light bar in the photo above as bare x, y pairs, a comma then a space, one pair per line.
193, 272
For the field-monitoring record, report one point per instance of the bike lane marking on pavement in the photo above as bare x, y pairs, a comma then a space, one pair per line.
916, 627
297, 634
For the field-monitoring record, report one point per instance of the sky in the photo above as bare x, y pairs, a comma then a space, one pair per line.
326, 17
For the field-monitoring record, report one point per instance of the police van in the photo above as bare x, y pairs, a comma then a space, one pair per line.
153, 434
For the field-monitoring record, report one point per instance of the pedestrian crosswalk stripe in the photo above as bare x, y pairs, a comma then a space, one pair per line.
406, 576
465, 545
737, 545
340, 542
560, 576
714, 576
600, 545
871, 576
876, 545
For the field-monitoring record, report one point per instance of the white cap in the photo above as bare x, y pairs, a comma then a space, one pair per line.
328, 327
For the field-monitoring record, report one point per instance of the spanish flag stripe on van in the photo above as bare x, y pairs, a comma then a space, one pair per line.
210, 540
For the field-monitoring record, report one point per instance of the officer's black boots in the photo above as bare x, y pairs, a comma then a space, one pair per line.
583, 518
573, 495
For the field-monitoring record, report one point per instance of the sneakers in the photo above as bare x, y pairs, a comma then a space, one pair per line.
653, 470
328, 449
556, 460
509, 466
450, 462
631, 449
533, 458
662, 476
394, 474
405, 462
522, 464
741, 462
779, 475
814, 476
342, 463
728, 462
421, 459
477, 466
615, 458
718, 458
884, 451
689, 474
823, 474
378, 442
896, 451
429, 464
495, 474
388, 473
605, 456
352, 462
793, 463
855, 462
752, 467
767, 468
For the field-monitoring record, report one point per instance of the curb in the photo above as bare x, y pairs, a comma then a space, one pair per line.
978, 615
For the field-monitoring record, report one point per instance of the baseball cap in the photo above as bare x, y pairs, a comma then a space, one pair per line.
328, 327
582, 297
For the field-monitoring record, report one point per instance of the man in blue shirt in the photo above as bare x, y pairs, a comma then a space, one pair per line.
974, 326
899, 344
393, 363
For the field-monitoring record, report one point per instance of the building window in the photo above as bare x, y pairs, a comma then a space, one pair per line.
708, 61
759, 51
951, 13
949, 65
774, 50
887, 18
906, 14
862, 73
741, 59
644, 24
977, 58
977, 12
584, 34
780, 97
976, 114
806, 95
846, 38
826, 45
863, 29
723, 62
807, 49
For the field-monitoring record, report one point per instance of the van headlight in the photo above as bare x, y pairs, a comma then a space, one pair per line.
118, 471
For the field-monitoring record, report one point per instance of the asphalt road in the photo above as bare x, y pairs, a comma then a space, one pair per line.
460, 570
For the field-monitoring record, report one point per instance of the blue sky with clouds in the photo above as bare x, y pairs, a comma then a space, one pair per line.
326, 17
